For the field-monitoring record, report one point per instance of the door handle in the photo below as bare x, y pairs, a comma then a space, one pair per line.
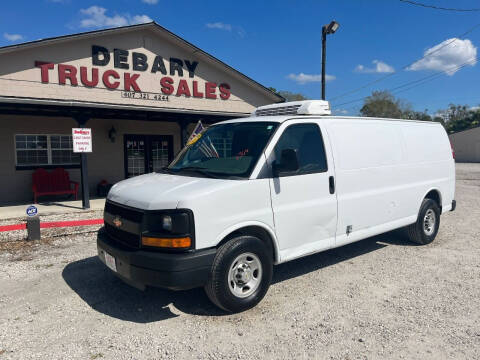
331, 184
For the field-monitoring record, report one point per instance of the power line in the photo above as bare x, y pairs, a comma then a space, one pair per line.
438, 7
405, 66
417, 82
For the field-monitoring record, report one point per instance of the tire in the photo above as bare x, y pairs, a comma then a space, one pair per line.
238, 263
425, 230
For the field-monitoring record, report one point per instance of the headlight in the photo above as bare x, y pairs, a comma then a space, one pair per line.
167, 223
172, 229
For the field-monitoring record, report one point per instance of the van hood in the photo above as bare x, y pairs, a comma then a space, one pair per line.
160, 191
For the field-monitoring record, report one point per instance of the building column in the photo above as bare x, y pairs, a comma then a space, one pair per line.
81, 121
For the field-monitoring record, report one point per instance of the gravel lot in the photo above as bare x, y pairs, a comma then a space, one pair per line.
379, 298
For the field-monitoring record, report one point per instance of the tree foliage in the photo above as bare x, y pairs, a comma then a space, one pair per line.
289, 96
384, 104
459, 117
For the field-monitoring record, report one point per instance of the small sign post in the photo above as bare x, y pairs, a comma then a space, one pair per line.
82, 143
33, 223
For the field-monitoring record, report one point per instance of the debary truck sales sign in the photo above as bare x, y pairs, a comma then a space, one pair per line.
131, 67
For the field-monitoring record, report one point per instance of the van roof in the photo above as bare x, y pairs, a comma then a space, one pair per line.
283, 118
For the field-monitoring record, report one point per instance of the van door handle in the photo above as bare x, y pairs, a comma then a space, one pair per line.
331, 184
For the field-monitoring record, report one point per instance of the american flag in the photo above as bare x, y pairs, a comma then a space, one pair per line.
206, 145
198, 129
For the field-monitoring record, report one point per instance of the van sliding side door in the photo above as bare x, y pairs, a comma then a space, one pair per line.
304, 201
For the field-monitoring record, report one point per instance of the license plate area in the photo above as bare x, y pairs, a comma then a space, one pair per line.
110, 261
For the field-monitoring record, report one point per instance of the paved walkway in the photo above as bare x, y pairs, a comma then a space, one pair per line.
48, 208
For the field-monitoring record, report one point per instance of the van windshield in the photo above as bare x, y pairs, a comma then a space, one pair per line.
224, 151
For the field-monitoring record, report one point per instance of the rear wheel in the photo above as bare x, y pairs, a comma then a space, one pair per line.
425, 229
241, 274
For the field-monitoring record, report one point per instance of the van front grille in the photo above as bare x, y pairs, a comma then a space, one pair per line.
132, 220
123, 237
124, 212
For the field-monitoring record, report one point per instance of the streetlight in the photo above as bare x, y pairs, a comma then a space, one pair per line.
326, 30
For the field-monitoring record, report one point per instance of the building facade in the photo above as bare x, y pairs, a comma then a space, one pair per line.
141, 89
466, 145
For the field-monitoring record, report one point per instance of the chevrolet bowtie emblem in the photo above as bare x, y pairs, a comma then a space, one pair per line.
117, 221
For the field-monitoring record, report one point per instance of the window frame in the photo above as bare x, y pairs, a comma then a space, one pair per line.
273, 157
50, 164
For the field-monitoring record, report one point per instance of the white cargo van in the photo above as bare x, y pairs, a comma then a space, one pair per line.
287, 182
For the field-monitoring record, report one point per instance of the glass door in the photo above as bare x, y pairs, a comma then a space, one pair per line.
146, 153
160, 150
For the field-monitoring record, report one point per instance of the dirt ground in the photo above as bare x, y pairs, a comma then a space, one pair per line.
381, 298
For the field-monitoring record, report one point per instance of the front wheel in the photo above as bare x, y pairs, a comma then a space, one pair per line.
423, 232
241, 274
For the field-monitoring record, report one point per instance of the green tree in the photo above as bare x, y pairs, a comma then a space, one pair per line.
439, 119
455, 113
289, 96
382, 104
459, 117
416, 115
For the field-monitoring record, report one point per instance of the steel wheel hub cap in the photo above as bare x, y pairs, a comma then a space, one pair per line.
245, 275
429, 222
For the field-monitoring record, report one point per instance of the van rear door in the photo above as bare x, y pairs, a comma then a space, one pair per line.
304, 203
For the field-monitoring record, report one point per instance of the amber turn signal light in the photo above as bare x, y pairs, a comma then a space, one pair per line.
177, 243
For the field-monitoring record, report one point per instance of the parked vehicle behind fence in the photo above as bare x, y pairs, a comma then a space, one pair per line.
289, 181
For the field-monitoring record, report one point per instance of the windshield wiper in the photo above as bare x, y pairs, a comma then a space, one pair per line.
165, 170
196, 169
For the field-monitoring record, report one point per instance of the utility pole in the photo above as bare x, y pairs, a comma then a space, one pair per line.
324, 57
326, 30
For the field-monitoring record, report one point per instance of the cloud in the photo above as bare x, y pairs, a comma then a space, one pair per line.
95, 17
340, 111
308, 78
380, 67
447, 57
13, 37
227, 27
220, 26
150, 2
240, 31
140, 19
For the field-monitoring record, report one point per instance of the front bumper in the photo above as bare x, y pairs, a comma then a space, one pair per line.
175, 271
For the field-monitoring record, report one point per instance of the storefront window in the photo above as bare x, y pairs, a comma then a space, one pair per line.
42, 150
62, 153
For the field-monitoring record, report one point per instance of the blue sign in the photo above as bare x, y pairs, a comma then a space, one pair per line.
32, 210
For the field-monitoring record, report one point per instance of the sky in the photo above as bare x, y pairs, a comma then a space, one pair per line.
421, 54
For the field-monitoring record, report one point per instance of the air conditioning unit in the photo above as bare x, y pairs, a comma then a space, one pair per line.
306, 107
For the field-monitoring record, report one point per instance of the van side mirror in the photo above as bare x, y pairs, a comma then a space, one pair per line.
288, 163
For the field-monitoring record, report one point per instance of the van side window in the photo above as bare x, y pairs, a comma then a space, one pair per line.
307, 140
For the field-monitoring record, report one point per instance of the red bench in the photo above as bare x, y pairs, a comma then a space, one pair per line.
55, 182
